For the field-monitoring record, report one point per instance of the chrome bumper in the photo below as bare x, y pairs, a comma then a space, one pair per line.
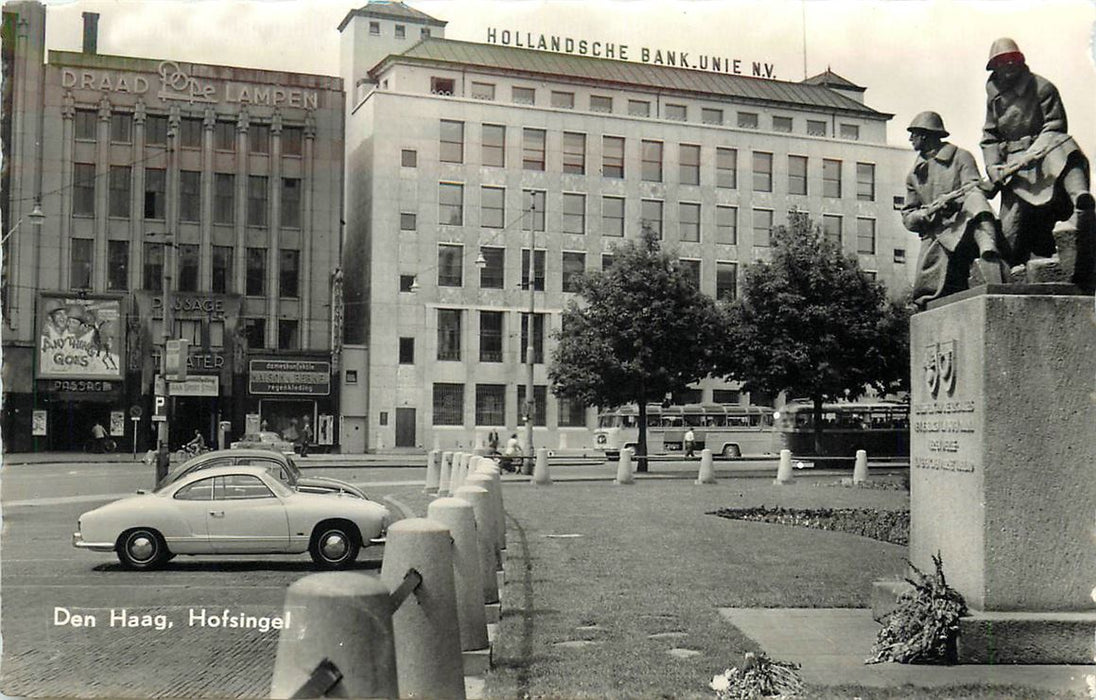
78, 542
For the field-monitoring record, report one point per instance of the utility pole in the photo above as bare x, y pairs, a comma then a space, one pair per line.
530, 402
163, 447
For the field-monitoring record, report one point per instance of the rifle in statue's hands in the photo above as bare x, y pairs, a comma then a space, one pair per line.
990, 186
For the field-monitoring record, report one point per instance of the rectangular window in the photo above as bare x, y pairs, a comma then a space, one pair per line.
121, 128
574, 213
494, 145
612, 156
865, 236
188, 267
258, 138
442, 86
726, 396
119, 191
375, 28
409, 158
492, 274
747, 120
449, 334
292, 139
81, 262
651, 161
117, 265
563, 100
650, 215
224, 198
288, 334
407, 351
689, 221
490, 338
490, 404
533, 214
450, 204
401, 31
726, 225
222, 269
451, 142
612, 216
85, 126
865, 182
782, 125
190, 195
540, 405
532, 149
256, 272
156, 130
639, 108
816, 128
407, 283
190, 132
831, 228
689, 164
831, 178
538, 337
482, 91
574, 266
850, 132
155, 193
572, 414
606, 262
900, 255
255, 332
676, 113
797, 175
448, 404
492, 207
289, 273
709, 115
257, 199
224, 136
450, 273
83, 189
152, 273
523, 96
574, 153
691, 270
538, 270
291, 202
408, 221
762, 227
726, 168
762, 172
726, 280
601, 103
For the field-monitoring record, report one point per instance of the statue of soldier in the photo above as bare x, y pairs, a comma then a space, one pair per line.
1039, 169
946, 207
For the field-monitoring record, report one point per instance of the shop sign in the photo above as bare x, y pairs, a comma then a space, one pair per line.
175, 356
196, 385
289, 377
79, 337
80, 386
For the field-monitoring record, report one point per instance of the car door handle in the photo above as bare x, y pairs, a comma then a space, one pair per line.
217, 513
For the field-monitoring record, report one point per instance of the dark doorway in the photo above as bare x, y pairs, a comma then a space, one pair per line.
405, 427
194, 413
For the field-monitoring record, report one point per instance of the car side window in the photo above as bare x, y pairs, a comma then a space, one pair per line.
235, 487
198, 491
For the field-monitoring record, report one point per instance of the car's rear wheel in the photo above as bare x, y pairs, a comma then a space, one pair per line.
334, 545
731, 451
142, 548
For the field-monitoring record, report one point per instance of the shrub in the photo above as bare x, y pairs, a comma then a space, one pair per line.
760, 677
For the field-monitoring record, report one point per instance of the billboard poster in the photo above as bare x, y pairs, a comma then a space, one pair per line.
80, 338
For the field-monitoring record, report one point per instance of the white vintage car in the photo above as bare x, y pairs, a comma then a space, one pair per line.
232, 510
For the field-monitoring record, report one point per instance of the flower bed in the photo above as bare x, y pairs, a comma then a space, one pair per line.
885, 525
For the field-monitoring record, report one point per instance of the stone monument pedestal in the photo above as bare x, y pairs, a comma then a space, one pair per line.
1003, 467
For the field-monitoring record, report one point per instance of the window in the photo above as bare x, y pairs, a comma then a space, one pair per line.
726, 280
441, 86
407, 351
156, 130
850, 132
81, 262
224, 136
490, 339
424, 32
572, 414
689, 221
448, 404
677, 113
85, 126
797, 175
121, 128
255, 332
762, 227
523, 95
831, 228
494, 145
540, 405
152, 274
490, 404
450, 204
726, 225
601, 103
726, 168
409, 158
482, 91
574, 153
401, 31
224, 198
222, 269
532, 151
292, 139
865, 182
650, 214
288, 334
538, 270
747, 120
782, 125
451, 146
871, 275
257, 194
217, 334
256, 272
190, 132
574, 213
762, 172
188, 267
83, 189
492, 207
190, 195
612, 216
155, 193
816, 128
538, 337
865, 236
726, 396
612, 156
651, 161
449, 334
291, 202
639, 108
289, 273
900, 255
533, 214
689, 164
258, 138
831, 178
117, 265
574, 266
492, 275
606, 262
408, 221
407, 283
119, 191
375, 28
198, 491
563, 100
691, 270
709, 115
450, 273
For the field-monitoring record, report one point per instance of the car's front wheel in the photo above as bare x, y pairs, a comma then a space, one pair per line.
334, 545
141, 549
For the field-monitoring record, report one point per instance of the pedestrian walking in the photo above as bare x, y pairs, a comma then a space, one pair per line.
690, 442
306, 435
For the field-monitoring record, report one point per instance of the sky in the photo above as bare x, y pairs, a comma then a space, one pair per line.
911, 55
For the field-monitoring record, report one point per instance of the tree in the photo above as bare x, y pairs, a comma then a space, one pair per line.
643, 329
811, 323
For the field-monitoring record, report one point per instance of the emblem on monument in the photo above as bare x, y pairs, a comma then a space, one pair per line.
932, 369
945, 364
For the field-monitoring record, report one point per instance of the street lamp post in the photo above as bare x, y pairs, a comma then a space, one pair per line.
163, 431
530, 401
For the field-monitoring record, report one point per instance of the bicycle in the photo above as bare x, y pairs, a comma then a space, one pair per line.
187, 451
100, 445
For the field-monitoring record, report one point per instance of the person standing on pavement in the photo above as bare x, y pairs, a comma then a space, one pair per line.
690, 442
306, 435
99, 435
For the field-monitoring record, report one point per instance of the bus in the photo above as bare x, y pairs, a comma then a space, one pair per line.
881, 428
731, 430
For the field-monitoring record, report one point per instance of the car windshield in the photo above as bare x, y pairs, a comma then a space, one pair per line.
294, 470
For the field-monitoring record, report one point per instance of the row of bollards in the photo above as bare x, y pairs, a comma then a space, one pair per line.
784, 471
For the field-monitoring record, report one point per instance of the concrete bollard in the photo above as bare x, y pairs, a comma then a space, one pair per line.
489, 468
427, 632
433, 472
478, 497
345, 617
445, 474
860, 469
540, 470
457, 515
454, 472
624, 468
494, 503
784, 471
707, 469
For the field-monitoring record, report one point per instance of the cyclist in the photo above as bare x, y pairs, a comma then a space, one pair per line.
99, 435
197, 444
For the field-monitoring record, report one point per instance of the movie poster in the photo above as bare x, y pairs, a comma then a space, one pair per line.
80, 338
